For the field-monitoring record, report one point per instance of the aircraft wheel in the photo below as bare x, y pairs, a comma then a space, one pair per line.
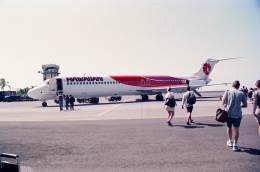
159, 97
145, 97
44, 104
119, 98
94, 100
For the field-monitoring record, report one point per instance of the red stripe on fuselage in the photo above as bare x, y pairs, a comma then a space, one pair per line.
149, 81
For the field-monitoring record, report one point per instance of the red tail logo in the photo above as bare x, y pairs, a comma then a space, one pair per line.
206, 68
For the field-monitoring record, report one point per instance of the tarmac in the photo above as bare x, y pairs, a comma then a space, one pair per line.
130, 135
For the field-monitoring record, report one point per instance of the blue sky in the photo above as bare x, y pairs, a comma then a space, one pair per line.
134, 37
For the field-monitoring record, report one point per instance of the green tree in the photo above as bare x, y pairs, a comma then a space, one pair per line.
24, 90
4, 83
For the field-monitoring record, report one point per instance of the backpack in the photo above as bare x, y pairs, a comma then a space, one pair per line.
250, 93
67, 99
191, 99
170, 102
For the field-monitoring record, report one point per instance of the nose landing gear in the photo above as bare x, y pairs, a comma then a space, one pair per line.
44, 104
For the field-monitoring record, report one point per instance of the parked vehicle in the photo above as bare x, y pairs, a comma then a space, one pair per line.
13, 98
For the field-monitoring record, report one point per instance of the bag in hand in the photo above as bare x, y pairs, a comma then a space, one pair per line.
170, 102
221, 115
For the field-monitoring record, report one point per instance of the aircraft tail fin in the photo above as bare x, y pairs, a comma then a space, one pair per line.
208, 66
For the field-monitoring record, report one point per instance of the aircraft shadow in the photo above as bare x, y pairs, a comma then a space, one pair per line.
108, 103
127, 102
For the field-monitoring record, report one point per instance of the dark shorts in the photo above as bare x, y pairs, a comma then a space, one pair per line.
233, 121
189, 108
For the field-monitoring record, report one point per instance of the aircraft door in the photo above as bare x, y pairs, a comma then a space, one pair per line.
59, 85
53, 85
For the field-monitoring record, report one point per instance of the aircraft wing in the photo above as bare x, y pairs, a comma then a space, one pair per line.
176, 89
218, 84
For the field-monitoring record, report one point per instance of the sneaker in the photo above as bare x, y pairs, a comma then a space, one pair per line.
188, 123
229, 143
192, 121
236, 148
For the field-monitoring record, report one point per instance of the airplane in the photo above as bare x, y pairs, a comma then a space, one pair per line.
93, 87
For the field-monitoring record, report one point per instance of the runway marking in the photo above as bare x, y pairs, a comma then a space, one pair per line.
110, 109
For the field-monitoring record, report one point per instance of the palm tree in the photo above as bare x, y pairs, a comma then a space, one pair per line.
4, 83
23, 91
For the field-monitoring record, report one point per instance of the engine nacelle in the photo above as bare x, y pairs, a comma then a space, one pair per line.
196, 82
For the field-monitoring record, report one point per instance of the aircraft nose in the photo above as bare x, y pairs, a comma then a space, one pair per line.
32, 93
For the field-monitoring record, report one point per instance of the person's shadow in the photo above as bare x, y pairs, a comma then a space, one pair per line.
189, 126
250, 151
210, 125
200, 125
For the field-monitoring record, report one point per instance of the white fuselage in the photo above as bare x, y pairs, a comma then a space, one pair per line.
87, 87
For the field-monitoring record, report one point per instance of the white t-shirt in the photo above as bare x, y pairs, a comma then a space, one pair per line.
235, 98
169, 95
185, 97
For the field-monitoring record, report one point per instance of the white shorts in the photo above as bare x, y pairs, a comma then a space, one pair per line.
168, 108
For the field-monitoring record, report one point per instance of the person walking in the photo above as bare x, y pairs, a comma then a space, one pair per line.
250, 95
234, 110
256, 104
169, 96
61, 101
225, 99
71, 100
67, 101
188, 100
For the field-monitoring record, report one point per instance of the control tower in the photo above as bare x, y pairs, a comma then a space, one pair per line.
49, 71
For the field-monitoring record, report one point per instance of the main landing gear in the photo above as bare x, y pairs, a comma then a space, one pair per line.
158, 97
145, 97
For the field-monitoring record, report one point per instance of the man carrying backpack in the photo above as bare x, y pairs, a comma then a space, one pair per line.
188, 100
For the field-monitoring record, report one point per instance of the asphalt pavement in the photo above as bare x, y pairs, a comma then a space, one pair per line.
125, 136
